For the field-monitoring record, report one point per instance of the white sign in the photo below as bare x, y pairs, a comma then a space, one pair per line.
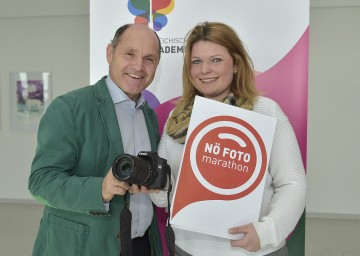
222, 174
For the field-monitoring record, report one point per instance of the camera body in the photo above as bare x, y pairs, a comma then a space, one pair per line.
147, 169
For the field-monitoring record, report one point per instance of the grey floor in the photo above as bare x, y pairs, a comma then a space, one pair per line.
324, 237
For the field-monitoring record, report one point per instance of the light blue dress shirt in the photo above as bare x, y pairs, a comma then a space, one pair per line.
135, 138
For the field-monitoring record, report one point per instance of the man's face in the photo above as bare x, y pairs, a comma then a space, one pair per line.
134, 60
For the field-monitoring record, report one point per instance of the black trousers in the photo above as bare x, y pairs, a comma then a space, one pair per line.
141, 245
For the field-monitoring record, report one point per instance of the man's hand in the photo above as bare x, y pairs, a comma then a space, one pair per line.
250, 241
111, 187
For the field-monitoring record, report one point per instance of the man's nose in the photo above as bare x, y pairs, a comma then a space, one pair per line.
138, 63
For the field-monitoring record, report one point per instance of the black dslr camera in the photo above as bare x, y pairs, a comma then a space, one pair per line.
147, 169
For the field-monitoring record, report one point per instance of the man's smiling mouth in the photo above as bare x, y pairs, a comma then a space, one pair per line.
135, 76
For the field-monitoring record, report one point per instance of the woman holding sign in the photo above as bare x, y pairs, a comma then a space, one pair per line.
217, 67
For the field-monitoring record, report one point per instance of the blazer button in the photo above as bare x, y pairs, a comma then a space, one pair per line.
118, 236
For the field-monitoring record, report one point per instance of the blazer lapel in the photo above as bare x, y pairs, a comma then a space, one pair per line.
108, 116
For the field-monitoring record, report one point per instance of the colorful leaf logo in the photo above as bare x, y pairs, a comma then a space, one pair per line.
154, 11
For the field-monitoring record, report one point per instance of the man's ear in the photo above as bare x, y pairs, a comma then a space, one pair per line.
109, 53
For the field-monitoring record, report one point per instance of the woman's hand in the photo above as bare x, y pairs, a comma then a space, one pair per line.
250, 241
142, 189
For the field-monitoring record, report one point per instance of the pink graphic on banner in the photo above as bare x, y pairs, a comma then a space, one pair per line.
287, 84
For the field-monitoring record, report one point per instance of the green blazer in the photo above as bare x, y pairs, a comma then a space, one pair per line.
78, 140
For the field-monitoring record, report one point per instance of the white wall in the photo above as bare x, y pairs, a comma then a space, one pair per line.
334, 109
54, 36
37, 36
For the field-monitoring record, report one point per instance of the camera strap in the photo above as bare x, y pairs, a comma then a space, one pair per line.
125, 228
169, 232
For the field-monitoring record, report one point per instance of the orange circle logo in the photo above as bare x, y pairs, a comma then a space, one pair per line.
227, 155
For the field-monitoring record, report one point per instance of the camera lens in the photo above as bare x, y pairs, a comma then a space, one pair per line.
132, 169
125, 168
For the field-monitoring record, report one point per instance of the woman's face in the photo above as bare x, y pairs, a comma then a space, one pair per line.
212, 69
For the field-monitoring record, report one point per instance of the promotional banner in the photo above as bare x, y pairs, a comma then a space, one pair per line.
226, 156
276, 34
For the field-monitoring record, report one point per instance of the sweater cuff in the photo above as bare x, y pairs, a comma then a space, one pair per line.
159, 199
267, 233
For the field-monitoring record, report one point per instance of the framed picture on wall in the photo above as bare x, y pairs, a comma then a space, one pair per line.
30, 94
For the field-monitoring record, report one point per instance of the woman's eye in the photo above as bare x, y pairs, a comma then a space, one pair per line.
195, 62
216, 60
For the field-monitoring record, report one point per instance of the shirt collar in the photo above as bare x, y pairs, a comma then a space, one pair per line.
119, 95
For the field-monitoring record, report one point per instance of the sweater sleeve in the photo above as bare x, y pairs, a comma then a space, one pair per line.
288, 183
171, 151
160, 199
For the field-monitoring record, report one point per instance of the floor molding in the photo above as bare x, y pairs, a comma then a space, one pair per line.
334, 3
18, 201
339, 216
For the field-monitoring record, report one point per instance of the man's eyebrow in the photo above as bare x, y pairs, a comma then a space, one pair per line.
154, 56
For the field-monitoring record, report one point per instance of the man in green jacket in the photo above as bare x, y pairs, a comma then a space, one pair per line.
80, 135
